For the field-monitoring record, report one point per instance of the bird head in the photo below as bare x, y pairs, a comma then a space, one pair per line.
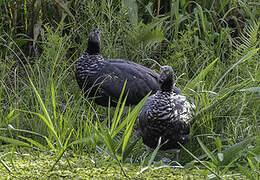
166, 78
94, 42
94, 36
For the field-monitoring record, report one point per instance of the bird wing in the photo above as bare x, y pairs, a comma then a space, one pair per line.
140, 80
143, 68
122, 61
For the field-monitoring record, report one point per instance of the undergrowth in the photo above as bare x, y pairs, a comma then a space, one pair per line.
213, 51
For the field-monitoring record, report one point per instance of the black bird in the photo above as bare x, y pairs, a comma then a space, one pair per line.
103, 80
165, 114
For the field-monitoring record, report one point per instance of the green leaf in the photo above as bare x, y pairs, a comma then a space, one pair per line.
9, 117
229, 165
207, 151
117, 113
62, 4
154, 152
83, 140
150, 35
40, 146
127, 134
129, 148
14, 141
62, 151
50, 144
218, 144
47, 120
200, 76
233, 152
132, 118
249, 38
133, 115
148, 160
251, 164
246, 172
112, 147
110, 143
244, 58
53, 100
132, 8
201, 162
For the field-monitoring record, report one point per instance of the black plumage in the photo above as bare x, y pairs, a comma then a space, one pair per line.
103, 80
165, 114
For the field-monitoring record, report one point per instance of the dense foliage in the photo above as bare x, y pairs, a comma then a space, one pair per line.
213, 47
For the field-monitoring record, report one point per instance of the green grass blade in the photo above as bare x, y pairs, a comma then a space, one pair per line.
132, 118
110, 143
133, 115
251, 164
116, 113
129, 148
131, 6
154, 153
14, 141
58, 158
82, 141
244, 58
119, 116
229, 165
53, 100
200, 76
127, 135
40, 146
47, 120
112, 147
50, 144
9, 116
10, 127
207, 151
41, 103
68, 138
233, 151
218, 144
203, 20
246, 172
256, 150
202, 163
62, 151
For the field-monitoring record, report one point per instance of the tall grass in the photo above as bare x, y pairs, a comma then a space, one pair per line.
214, 53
